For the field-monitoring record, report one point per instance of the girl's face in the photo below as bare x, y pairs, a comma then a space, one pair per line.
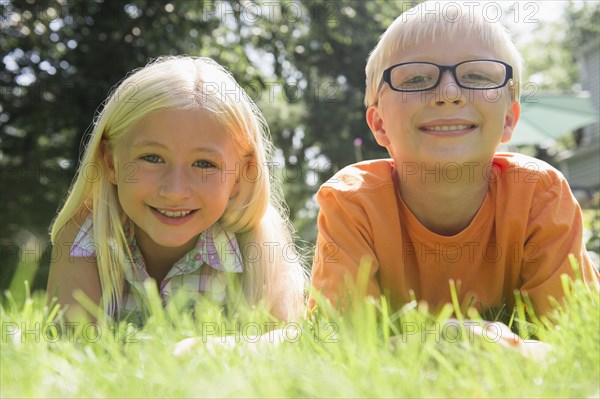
175, 172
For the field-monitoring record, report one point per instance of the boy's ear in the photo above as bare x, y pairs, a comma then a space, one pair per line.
510, 121
375, 122
107, 158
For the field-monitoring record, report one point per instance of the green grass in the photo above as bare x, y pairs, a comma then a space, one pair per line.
369, 353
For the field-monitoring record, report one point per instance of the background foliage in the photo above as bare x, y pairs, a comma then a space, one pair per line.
302, 61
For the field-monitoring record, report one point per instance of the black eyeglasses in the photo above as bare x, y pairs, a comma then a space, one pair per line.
472, 75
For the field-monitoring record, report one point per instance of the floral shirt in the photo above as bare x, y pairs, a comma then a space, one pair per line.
201, 270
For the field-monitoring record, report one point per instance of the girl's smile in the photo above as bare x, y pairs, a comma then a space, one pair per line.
175, 217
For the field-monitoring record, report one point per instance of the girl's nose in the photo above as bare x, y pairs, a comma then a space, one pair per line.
175, 184
448, 91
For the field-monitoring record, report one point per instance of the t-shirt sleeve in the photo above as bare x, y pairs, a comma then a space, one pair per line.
554, 230
84, 244
344, 245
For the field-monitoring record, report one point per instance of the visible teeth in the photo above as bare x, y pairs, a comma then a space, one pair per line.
447, 128
177, 214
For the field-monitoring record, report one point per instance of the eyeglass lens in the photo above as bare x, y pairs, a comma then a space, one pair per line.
472, 74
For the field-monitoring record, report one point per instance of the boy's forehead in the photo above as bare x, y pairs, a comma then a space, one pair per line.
443, 51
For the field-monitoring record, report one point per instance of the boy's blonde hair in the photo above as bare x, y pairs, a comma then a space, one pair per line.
257, 215
431, 20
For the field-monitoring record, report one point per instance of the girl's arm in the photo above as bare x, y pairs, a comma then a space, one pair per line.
69, 274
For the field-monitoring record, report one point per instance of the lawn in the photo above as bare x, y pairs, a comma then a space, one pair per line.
370, 353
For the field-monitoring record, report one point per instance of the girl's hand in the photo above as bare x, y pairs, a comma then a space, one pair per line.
211, 343
253, 343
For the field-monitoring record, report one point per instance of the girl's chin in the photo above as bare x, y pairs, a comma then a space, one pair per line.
177, 244
173, 243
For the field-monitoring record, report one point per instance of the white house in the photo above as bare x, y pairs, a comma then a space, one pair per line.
581, 166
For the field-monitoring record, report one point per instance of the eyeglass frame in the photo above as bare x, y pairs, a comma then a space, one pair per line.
387, 76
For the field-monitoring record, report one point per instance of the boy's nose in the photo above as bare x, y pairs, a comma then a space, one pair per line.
175, 184
448, 91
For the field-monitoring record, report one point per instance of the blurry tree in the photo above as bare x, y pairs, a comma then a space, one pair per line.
551, 63
306, 70
550, 59
302, 61
548, 63
60, 59
317, 51
583, 20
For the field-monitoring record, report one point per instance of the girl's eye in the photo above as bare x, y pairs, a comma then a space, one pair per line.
204, 164
152, 158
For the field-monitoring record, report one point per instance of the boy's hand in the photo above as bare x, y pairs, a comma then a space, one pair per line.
489, 332
501, 334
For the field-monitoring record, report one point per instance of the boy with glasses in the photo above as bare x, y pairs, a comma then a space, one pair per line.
441, 95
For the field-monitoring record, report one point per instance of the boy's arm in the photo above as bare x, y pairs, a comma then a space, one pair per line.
343, 242
554, 230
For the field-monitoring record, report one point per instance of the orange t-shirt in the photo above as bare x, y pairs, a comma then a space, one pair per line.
519, 239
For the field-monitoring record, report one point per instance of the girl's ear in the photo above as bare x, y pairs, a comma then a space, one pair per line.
107, 158
246, 170
375, 122
236, 189
510, 121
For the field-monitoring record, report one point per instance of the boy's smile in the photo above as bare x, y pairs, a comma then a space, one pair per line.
447, 127
447, 123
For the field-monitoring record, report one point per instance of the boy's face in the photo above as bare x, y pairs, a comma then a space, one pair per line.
446, 124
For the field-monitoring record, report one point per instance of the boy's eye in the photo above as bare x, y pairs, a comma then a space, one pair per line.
476, 77
416, 79
152, 158
204, 164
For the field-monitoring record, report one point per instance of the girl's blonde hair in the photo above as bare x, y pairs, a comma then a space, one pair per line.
431, 21
257, 215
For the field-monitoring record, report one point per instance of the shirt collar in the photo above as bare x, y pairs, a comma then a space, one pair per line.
215, 247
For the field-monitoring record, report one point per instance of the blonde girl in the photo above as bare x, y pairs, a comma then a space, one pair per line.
174, 185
